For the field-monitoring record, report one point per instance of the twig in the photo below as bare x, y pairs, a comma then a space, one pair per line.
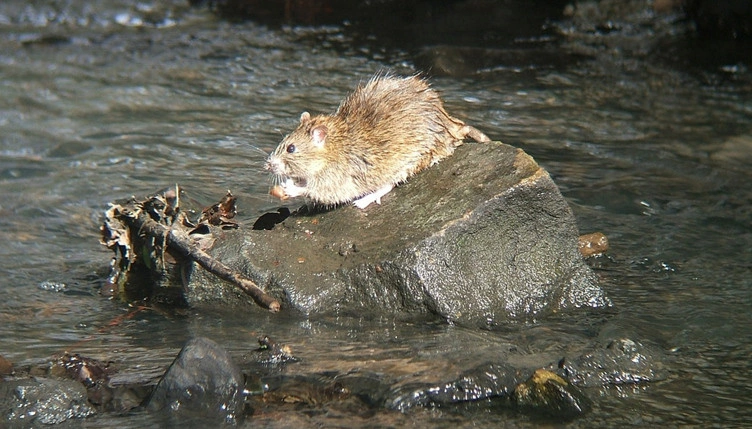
187, 248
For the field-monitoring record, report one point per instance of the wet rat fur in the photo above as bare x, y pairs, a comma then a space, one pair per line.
385, 131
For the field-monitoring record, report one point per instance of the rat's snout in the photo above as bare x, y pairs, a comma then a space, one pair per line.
275, 165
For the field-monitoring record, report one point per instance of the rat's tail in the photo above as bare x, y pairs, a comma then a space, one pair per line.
475, 134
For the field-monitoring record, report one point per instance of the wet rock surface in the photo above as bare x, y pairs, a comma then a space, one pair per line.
558, 392
619, 361
480, 238
205, 384
30, 402
490, 380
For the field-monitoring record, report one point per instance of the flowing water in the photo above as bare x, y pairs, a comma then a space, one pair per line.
108, 99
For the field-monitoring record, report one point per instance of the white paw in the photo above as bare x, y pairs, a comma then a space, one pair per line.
375, 197
291, 189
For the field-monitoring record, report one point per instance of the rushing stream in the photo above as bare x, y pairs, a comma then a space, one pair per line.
108, 99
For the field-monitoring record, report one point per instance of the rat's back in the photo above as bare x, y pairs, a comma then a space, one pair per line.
399, 123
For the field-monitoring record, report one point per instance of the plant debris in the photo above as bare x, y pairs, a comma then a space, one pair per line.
221, 213
149, 235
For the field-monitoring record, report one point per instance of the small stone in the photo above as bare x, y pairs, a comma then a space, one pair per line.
593, 244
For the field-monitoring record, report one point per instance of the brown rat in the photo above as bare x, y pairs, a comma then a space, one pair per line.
385, 131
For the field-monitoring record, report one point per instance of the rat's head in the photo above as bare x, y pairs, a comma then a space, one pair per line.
302, 154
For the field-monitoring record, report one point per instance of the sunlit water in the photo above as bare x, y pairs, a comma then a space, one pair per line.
110, 100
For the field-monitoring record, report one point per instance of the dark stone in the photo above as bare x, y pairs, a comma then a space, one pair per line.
721, 19
482, 237
202, 381
38, 401
546, 394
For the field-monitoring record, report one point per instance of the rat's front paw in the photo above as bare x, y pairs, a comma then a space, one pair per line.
291, 189
279, 192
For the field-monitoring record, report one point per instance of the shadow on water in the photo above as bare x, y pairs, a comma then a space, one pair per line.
644, 126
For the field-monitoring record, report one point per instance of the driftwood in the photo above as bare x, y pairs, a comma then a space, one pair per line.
159, 221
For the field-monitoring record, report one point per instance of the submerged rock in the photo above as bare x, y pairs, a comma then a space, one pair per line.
490, 380
621, 361
480, 238
543, 394
37, 401
202, 381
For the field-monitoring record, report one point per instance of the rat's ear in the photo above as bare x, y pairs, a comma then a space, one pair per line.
305, 117
318, 135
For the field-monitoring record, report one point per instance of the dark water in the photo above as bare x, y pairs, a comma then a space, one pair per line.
109, 99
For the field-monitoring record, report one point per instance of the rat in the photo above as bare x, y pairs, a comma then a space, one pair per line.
388, 129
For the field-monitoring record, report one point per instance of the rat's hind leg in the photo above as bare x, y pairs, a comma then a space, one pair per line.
375, 197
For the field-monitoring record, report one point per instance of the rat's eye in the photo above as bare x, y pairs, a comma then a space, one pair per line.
291, 148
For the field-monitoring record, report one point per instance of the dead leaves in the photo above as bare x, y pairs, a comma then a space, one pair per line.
154, 239
221, 213
132, 248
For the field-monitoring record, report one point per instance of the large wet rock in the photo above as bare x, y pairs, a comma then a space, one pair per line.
480, 238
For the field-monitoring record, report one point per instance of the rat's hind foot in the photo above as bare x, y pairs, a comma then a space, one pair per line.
375, 197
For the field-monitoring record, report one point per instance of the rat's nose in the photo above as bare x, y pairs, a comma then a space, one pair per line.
274, 165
